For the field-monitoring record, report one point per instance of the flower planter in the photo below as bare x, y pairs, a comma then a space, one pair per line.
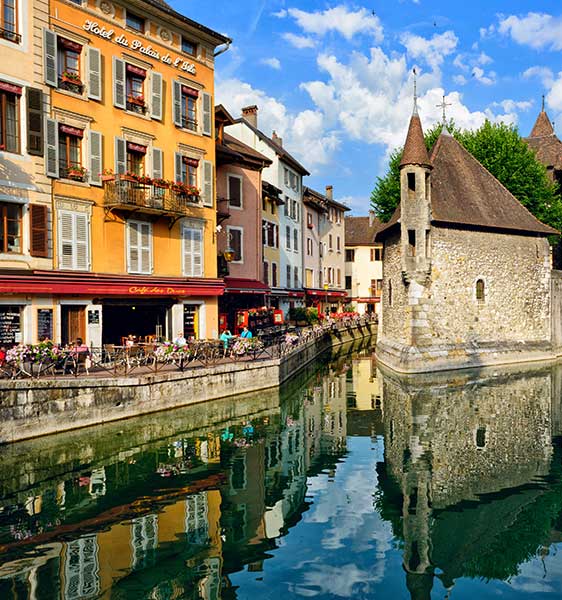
108, 177
66, 79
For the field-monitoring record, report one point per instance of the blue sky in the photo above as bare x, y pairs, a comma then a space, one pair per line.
334, 79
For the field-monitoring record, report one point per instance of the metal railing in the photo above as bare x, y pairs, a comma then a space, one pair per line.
10, 35
123, 191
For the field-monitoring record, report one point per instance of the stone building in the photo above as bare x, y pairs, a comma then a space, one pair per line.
547, 146
467, 274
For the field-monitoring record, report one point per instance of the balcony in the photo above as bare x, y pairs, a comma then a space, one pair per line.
11, 36
121, 192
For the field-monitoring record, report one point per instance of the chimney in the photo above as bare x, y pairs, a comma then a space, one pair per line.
250, 113
276, 139
371, 217
330, 192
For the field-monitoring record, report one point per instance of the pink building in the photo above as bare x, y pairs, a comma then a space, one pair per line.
239, 219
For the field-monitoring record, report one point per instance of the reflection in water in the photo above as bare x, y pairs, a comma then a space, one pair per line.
349, 482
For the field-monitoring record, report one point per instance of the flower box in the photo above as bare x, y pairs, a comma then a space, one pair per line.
67, 78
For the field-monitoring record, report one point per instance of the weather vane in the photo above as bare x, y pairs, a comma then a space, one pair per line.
443, 106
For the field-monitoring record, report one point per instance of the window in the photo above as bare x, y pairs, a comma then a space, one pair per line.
274, 274
234, 191
9, 117
188, 47
309, 247
68, 65
266, 272
376, 254
309, 278
309, 220
296, 240
8, 21
188, 106
139, 247
338, 243
480, 291
134, 86
70, 153
411, 242
350, 255
135, 158
339, 277
192, 250
390, 293
348, 282
288, 237
296, 276
412, 182
74, 240
186, 169
376, 287
481, 437
10, 228
235, 235
288, 276
270, 234
135, 22
330, 243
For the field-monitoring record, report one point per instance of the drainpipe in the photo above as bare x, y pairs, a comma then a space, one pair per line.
222, 50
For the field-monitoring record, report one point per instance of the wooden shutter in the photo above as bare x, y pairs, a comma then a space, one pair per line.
82, 259
139, 251
133, 248
176, 102
74, 239
52, 148
156, 100
66, 240
34, 121
120, 155
197, 247
94, 73
95, 154
39, 235
157, 163
119, 96
177, 166
145, 239
207, 114
187, 251
207, 186
50, 57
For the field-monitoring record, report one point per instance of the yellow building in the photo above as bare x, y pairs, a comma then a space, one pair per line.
130, 150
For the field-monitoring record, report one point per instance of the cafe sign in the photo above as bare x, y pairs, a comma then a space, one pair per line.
109, 34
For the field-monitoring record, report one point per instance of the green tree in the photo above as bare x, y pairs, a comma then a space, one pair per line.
498, 147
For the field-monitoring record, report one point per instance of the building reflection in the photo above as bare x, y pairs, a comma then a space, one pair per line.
465, 461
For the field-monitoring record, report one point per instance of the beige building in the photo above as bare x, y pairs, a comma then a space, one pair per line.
363, 263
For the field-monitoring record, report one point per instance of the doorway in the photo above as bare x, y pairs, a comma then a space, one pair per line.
73, 323
134, 317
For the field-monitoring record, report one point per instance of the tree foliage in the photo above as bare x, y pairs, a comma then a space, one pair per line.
500, 149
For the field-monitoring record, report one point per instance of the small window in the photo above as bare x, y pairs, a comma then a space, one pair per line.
189, 98
188, 47
348, 282
9, 118
390, 293
412, 182
411, 242
70, 153
235, 239
266, 272
481, 437
296, 240
135, 158
274, 274
350, 255
135, 77
288, 237
330, 243
378, 254
338, 243
235, 191
296, 274
68, 64
10, 228
427, 243
288, 276
135, 22
8, 21
480, 291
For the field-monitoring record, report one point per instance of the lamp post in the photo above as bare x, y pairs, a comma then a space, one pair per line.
326, 287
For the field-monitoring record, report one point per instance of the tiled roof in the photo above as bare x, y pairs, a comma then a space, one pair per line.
415, 152
313, 195
544, 142
237, 149
465, 194
359, 231
542, 126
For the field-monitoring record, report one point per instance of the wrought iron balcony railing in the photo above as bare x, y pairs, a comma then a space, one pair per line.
9, 35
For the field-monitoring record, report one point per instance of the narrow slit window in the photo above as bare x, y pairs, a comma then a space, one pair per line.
390, 293
427, 243
411, 242
412, 182
480, 291
481, 437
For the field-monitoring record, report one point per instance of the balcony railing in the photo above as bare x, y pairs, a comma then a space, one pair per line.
9, 35
124, 193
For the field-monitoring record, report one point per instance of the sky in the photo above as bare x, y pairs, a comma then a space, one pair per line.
335, 79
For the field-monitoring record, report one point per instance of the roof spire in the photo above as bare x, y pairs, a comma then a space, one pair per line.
415, 112
542, 108
415, 152
542, 127
443, 105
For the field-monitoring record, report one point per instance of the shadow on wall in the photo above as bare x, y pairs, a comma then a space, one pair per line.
15, 180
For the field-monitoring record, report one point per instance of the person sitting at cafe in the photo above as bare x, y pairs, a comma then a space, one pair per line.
246, 333
130, 341
225, 338
80, 347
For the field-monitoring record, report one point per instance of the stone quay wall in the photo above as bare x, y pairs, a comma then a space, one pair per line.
31, 408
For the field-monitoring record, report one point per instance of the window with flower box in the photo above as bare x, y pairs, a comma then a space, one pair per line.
9, 117
10, 228
68, 64
9, 21
185, 106
136, 154
70, 153
134, 82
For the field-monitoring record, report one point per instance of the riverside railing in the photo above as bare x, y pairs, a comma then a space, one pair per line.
46, 360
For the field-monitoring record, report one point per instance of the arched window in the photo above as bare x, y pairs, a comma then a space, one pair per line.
480, 290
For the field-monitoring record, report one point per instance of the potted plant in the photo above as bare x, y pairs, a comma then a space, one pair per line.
107, 175
76, 172
70, 77
160, 183
138, 100
144, 179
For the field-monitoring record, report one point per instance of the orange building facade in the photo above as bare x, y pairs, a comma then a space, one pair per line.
130, 153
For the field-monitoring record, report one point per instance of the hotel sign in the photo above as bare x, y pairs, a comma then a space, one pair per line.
109, 34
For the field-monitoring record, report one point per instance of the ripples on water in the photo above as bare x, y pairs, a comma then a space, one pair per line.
349, 482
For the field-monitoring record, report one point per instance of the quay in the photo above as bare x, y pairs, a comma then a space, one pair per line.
36, 407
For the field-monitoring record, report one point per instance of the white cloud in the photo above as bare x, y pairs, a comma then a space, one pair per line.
554, 96
459, 79
340, 19
537, 30
432, 51
487, 32
543, 73
273, 62
483, 59
359, 205
513, 105
299, 41
481, 76
280, 14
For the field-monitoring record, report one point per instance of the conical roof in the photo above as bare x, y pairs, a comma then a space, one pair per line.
415, 152
542, 126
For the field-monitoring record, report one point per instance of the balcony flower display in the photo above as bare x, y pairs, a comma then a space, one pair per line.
161, 183
76, 172
184, 189
138, 100
107, 175
71, 77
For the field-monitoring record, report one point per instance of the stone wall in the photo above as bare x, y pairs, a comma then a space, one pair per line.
557, 312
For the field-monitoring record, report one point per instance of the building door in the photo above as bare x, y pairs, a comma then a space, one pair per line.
73, 323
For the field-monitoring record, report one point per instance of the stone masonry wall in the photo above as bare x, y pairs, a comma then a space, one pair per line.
395, 321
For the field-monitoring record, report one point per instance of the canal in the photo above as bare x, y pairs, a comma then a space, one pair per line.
349, 482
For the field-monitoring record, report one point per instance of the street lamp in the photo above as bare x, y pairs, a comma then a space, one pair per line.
326, 288
228, 253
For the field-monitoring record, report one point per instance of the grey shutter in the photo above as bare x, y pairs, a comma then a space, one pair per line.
66, 240
197, 252
81, 242
177, 166
50, 57
119, 98
35, 142
94, 73
187, 252
145, 247
157, 163
208, 199
156, 100
95, 153
52, 148
133, 247
120, 156
176, 102
207, 115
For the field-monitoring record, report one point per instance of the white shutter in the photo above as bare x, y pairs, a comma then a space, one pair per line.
177, 166
52, 148
187, 252
94, 73
133, 247
73, 241
156, 100
139, 247
81, 260
197, 247
207, 114
207, 186
119, 96
95, 153
50, 57
176, 102
145, 243
157, 163
66, 240
120, 155
192, 252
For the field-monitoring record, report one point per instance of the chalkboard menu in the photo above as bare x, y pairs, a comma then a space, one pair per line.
189, 321
45, 323
93, 317
10, 324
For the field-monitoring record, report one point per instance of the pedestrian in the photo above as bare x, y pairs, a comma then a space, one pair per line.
225, 338
246, 333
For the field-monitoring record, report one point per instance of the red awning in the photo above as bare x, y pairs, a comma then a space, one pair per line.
237, 285
86, 284
323, 293
367, 300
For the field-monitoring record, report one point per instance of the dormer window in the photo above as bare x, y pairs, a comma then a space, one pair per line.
188, 46
135, 22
